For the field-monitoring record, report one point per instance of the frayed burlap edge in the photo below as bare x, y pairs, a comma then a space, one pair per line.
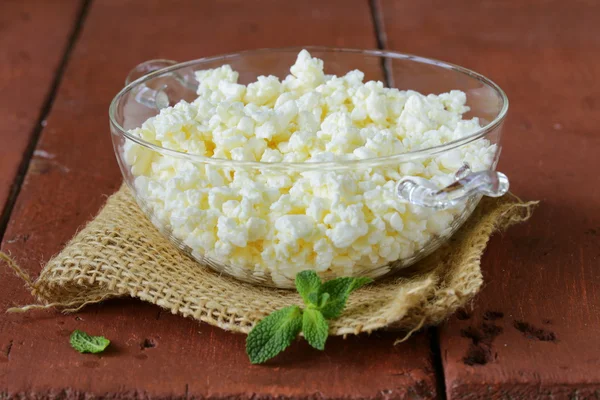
120, 253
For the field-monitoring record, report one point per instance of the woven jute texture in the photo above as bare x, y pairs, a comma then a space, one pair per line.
120, 253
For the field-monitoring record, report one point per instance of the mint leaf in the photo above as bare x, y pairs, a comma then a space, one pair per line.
308, 284
360, 282
313, 299
339, 289
324, 298
84, 343
273, 334
315, 328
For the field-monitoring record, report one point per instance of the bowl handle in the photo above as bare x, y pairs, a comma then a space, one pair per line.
147, 67
421, 192
156, 97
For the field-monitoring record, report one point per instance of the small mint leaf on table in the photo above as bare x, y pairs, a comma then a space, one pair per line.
307, 285
339, 290
84, 343
315, 328
273, 334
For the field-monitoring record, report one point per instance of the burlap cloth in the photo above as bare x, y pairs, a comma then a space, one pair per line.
120, 253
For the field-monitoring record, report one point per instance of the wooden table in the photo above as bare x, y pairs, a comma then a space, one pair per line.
61, 61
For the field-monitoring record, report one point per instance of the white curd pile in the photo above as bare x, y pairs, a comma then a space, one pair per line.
278, 222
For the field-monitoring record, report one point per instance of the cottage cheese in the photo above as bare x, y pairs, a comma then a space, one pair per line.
277, 222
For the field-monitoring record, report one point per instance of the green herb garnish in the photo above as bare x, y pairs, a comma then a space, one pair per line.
84, 343
322, 301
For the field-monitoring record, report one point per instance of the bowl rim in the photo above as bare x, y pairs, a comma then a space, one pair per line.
369, 162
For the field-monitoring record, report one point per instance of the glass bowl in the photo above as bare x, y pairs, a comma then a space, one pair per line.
396, 195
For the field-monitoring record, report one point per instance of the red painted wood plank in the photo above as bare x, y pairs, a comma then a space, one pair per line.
543, 275
33, 39
181, 357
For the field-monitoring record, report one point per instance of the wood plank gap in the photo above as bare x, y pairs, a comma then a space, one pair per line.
381, 38
8, 350
438, 365
15, 188
433, 332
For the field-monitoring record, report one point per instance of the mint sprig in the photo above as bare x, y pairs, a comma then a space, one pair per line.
84, 343
323, 301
